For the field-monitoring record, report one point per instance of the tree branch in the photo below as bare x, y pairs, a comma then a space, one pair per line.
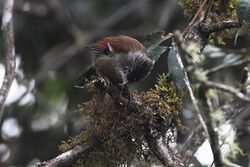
155, 140
182, 50
162, 151
227, 65
8, 51
219, 26
164, 154
212, 135
192, 143
228, 89
67, 158
123, 100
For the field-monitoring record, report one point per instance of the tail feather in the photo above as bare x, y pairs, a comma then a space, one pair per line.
81, 81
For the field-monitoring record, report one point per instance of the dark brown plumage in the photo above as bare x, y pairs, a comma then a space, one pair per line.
120, 59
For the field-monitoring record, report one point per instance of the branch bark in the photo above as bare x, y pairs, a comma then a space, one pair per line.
219, 26
67, 158
8, 51
123, 100
227, 65
164, 154
227, 89
212, 134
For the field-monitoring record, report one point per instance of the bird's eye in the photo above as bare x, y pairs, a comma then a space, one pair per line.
108, 49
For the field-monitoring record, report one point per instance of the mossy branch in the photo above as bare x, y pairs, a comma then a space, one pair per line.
128, 127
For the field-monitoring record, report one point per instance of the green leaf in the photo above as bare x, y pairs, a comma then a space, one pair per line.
244, 30
176, 68
152, 42
155, 53
243, 10
154, 39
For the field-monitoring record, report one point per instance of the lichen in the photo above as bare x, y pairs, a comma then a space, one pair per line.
118, 135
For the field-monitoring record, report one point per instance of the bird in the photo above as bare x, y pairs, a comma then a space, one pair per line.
119, 60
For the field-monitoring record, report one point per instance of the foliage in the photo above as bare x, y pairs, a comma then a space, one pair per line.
243, 10
117, 135
176, 70
243, 14
152, 42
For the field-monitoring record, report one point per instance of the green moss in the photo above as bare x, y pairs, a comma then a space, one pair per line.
117, 135
220, 9
165, 96
190, 7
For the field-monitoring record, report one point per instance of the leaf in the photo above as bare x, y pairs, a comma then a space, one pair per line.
243, 10
154, 39
176, 68
152, 42
155, 53
244, 30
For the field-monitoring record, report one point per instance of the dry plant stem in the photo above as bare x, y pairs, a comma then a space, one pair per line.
227, 65
227, 89
8, 51
67, 158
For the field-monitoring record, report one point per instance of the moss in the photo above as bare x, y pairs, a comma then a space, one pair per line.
220, 11
117, 135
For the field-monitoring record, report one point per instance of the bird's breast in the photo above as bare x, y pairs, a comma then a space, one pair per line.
136, 65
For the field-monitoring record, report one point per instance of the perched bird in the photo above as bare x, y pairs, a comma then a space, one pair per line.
119, 60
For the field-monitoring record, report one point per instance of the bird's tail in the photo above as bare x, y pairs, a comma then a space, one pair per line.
81, 81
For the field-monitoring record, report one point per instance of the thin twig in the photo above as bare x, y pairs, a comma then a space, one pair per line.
208, 9
9, 52
194, 101
196, 19
227, 65
227, 89
190, 91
